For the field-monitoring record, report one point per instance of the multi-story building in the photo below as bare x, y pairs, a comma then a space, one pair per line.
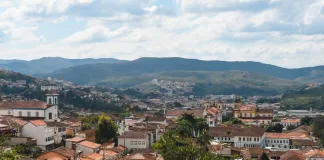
39, 130
134, 140
251, 114
277, 140
239, 135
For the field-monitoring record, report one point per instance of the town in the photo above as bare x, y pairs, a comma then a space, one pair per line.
57, 120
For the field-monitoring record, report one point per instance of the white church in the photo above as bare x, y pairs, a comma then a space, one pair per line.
47, 111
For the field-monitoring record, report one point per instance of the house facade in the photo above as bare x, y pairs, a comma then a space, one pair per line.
39, 130
134, 140
239, 135
32, 109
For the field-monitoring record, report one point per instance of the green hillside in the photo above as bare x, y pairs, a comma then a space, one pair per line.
207, 82
49, 64
304, 99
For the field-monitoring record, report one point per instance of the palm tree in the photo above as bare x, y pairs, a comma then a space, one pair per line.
204, 139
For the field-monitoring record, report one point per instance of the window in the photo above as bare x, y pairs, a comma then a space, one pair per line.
245, 115
143, 143
211, 122
9, 113
243, 139
229, 139
37, 114
239, 138
20, 113
55, 100
50, 116
131, 142
28, 114
222, 138
280, 141
135, 142
50, 101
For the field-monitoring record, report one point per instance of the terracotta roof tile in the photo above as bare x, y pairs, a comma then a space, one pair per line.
293, 155
38, 123
23, 104
95, 156
89, 144
75, 139
64, 151
158, 119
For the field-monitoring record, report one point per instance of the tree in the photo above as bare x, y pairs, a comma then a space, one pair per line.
5, 155
264, 157
306, 121
106, 130
275, 128
291, 127
8, 155
236, 121
180, 144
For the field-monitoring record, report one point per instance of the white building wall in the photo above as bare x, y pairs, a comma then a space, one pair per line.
39, 133
244, 141
68, 144
225, 139
54, 111
4, 112
277, 142
86, 150
25, 112
133, 143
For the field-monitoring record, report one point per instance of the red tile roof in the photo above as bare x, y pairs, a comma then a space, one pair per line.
66, 152
75, 139
89, 144
293, 120
38, 123
95, 156
23, 104
293, 155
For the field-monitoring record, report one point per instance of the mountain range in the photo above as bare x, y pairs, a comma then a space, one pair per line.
209, 76
49, 64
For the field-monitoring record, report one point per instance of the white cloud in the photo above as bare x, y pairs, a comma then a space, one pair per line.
288, 33
95, 34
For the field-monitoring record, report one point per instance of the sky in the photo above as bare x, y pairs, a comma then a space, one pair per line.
287, 33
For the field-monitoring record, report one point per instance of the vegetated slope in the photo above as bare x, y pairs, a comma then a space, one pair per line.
49, 64
304, 99
14, 76
94, 73
208, 82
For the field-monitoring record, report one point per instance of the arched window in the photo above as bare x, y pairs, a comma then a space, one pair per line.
55, 100
50, 101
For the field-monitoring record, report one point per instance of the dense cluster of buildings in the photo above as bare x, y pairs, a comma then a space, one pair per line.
33, 122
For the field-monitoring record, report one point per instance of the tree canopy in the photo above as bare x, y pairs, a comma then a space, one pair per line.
190, 140
106, 130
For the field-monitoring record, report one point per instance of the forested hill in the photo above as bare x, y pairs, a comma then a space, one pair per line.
14, 76
93, 73
49, 64
304, 99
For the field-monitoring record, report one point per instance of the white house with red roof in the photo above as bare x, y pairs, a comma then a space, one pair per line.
47, 111
39, 130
